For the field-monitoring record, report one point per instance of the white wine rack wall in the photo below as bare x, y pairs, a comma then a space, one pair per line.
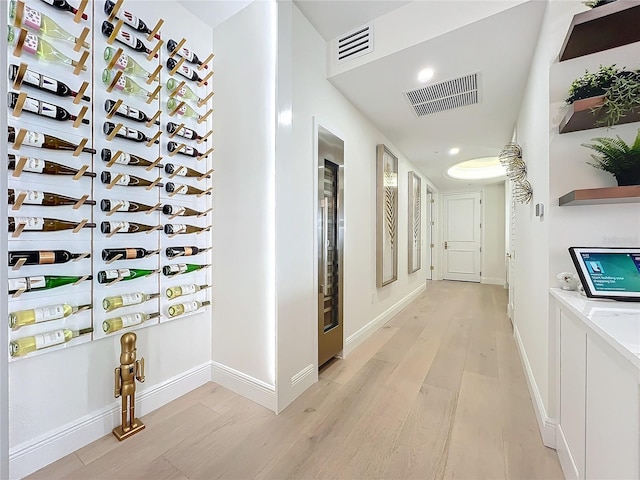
132, 204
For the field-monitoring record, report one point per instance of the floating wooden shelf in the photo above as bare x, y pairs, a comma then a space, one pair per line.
597, 196
581, 117
602, 28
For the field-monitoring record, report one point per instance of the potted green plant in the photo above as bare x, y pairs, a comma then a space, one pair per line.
617, 158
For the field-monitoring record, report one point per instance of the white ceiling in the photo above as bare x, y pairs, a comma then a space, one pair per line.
500, 47
214, 12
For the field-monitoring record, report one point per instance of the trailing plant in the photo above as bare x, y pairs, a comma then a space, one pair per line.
621, 97
613, 155
592, 84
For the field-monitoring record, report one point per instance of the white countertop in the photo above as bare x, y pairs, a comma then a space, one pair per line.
618, 323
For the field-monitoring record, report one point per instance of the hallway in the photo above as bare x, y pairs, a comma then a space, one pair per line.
438, 392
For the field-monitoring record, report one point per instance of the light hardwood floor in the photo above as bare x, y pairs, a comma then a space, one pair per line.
437, 393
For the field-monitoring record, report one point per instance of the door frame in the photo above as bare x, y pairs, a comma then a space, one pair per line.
445, 213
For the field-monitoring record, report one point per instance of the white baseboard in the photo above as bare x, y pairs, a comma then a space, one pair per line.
569, 468
546, 425
30, 456
361, 335
492, 281
256, 390
299, 383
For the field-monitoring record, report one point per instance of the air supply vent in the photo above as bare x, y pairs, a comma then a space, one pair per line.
447, 95
355, 43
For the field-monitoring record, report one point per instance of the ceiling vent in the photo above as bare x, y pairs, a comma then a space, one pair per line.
355, 43
446, 95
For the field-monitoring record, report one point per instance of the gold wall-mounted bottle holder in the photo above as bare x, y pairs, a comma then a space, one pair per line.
203, 118
155, 75
81, 8
205, 99
153, 164
204, 139
177, 89
153, 119
178, 47
205, 154
154, 139
154, 95
205, 62
154, 183
177, 66
177, 150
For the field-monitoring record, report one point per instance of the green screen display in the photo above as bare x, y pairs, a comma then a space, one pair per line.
613, 272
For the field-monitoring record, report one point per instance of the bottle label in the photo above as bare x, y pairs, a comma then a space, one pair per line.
129, 112
117, 273
179, 268
33, 197
31, 223
131, 319
130, 19
39, 107
33, 139
188, 250
181, 188
182, 110
127, 38
124, 226
187, 72
122, 62
49, 339
190, 151
189, 289
31, 44
187, 133
130, 253
34, 165
190, 306
131, 299
129, 133
41, 81
182, 171
27, 283
179, 228
124, 158
121, 83
187, 54
125, 179
182, 92
44, 314
32, 18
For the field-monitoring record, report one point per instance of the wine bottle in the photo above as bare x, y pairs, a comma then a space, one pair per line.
39, 48
22, 318
125, 253
125, 227
128, 112
125, 206
188, 151
43, 257
180, 211
41, 224
185, 132
127, 159
187, 54
125, 321
184, 189
126, 64
107, 276
44, 83
184, 251
182, 290
124, 84
126, 299
127, 180
184, 92
126, 38
185, 110
185, 71
22, 346
35, 165
129, 18
42, 24
126, 133
44, 109
64, 5
180, 228
47, 199
183, 171
187, 307
42, 140
180, 268
41, 282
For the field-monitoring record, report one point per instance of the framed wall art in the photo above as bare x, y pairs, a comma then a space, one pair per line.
414, 222
387, 217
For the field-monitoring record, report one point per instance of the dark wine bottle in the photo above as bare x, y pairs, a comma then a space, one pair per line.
126, 38
188, 151
128, 18
184, 189
127, 159
42, 82
43, 109
125, 206
180, 228
107, 276
185, 53
128, 112
43, 257
126, 133
40, 224
125, 253
42, 140
64, 5
185, 71
36, 165
47, 199
125, 227
127, 180
41, 282
183, 171
180, 211
185, 132
184, 251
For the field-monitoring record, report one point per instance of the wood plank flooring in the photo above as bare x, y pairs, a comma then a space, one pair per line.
437, 393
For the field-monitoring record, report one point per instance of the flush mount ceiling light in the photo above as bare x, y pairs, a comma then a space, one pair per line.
484, 168
454, 151
425, 75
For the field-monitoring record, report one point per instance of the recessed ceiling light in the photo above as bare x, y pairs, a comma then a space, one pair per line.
454, 151
477, 169
425, 75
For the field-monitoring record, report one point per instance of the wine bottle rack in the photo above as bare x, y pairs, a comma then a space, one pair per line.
82, 170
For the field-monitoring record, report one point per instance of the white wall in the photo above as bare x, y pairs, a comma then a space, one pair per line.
493, 240
4, 337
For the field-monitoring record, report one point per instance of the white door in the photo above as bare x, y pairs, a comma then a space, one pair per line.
511, 258
462, 242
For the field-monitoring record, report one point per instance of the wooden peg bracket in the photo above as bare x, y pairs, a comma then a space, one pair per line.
19, 264
114, 159
178, 47
204, 81
80, 202
205, 62
173, 235
114, 181
153, 165
177, 89
19, 292
154, 77
19, 14
83, 308
81, 8
203, 118
18, 231
17, 52
173, 194
177, 150
154, 139
205, 154
204, 214
154, 208
19, 167
81, 40
174, 174
81, 114
17, 110
157, 227
180, 127
115, 58
175, 110
80, 226
178, 213
114, 259
154, 183
206, 229
81, 145
116, 30
116, 9
205, 99
22, 70
114, 231
80, 94
114, 109
181, 254
81, 172
152, 120
114, 132
115, 208
154, 52
115, 280
152, 96
19, 201
152, 252
205, 192
80, 64
204, 175
155, 30
204, 139
82, 257
113, 83
19, 139
177, 66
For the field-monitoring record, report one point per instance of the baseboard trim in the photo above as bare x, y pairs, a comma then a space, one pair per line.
256, 390
569, 468
361, 335
302, 374
30, 456
492, 281
546, 425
